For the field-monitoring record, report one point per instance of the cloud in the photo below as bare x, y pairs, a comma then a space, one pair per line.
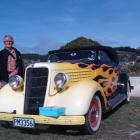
42, 47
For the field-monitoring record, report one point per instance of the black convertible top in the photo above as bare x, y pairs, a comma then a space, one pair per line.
109, 50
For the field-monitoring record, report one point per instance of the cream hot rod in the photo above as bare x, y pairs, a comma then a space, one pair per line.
75, 87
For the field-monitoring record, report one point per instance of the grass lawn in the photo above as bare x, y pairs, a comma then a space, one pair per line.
121, 124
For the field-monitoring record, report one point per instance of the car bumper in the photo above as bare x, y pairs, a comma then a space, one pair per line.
62, 120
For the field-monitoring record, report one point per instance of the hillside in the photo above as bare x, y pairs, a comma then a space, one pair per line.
129, 57
80, 41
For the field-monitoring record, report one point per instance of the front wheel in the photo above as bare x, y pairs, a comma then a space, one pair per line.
94, 115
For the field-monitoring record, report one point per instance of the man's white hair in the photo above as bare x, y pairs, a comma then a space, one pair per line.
8, 36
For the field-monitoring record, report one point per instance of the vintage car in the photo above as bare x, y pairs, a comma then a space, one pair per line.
76, 86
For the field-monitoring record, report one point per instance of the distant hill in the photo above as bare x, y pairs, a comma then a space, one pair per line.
80, 41
127, 49
125, 53
35, 57
129, 57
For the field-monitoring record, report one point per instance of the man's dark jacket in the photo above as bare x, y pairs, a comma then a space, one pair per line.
3, 64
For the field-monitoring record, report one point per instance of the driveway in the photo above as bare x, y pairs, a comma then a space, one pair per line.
135, 81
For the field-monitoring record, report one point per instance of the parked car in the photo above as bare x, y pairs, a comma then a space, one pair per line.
75, 87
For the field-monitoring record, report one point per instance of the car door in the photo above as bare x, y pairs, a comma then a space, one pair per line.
108, 73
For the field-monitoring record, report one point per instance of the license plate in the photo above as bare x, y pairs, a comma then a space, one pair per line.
24, 122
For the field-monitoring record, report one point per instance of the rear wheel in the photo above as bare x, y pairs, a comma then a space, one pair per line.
94, 115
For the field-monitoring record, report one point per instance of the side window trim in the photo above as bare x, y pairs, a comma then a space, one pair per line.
108, 59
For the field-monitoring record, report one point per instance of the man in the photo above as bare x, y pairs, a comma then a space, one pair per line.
10, 61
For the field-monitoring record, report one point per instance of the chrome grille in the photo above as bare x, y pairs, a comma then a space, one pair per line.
36, 84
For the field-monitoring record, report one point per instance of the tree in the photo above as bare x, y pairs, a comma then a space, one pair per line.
82, 42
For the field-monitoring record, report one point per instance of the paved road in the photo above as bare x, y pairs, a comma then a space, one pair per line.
135, 81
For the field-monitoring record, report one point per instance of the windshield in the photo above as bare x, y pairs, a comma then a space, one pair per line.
87, 56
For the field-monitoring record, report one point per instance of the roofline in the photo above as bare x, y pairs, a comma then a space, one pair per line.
78, 48
109, 50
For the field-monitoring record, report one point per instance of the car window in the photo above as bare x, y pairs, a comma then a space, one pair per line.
103, 58
88, 56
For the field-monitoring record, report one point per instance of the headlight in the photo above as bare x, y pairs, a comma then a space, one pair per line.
60, 80
15, 82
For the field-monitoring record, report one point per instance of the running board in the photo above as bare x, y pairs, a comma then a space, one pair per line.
115, 101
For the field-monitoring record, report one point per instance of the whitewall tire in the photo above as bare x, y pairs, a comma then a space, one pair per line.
94, 116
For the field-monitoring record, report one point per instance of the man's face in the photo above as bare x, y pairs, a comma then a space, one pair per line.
8, 42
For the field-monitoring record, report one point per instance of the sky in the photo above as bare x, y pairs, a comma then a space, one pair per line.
42, 25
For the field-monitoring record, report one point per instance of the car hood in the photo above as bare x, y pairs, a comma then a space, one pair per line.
61, 66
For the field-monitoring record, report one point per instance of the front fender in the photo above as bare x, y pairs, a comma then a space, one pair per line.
76, 98
11, 100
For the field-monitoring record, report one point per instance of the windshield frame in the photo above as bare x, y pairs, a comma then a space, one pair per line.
91, 59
